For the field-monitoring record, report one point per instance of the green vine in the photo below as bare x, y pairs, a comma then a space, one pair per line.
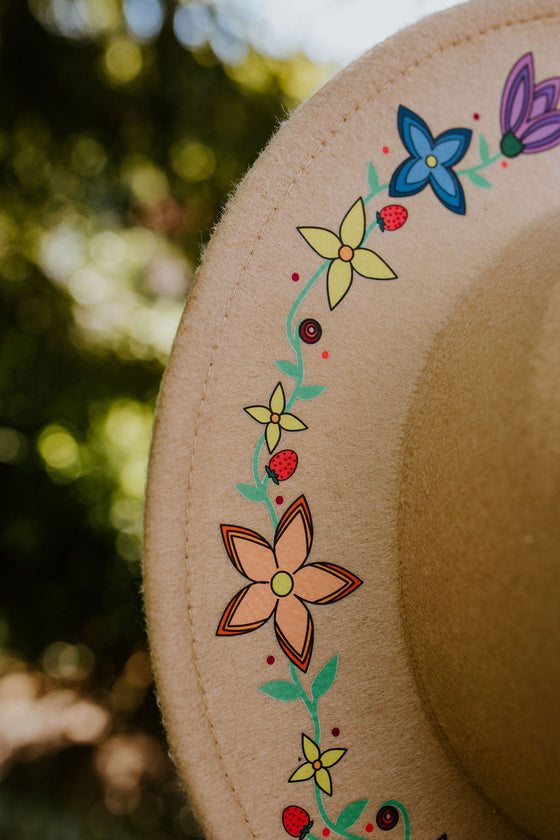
258, 491
291, 690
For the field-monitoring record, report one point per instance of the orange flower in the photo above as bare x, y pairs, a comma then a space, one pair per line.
281, 583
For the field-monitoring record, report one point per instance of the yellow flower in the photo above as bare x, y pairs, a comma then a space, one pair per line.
316, 765
346, 254
275, 418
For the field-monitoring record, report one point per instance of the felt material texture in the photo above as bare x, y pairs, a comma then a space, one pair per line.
479, 495
392, 703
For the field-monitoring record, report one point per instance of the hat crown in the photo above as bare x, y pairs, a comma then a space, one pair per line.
480, 531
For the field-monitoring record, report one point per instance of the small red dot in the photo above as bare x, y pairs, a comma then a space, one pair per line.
325, 832
270, 660
325, 354
336, 732
295, 276
385, 150
279, 500
476, 116
368, 828
504, 164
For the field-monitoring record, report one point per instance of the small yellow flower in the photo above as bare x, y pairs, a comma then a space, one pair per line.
275, 418
346, 254
316, 765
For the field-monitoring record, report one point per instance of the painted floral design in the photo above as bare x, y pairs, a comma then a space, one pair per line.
275, 418
391, 217
289, 691
282, 582
346, 253
529, 119
296, 821
431, 161
316, 765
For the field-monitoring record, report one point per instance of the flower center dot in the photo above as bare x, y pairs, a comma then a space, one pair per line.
282, 584
317, 765
274, 418
346, 253
431, 161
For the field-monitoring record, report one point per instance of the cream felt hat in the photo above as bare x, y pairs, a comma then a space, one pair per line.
353, 533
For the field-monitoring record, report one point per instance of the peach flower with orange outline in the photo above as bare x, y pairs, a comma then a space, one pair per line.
282, 582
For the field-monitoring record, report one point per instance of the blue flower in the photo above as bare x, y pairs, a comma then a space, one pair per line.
430, 161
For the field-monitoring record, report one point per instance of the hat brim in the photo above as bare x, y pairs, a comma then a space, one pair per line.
299, 690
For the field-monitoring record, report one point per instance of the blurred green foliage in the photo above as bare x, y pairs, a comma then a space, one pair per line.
122, 129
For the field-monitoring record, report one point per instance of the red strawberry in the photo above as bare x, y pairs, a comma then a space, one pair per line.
392, 217
282, 465
296, 821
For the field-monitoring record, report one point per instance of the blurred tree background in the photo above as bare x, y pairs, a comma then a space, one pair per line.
123, 126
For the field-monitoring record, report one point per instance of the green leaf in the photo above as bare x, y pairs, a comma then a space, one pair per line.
479, 181
289, 368
252, 493
281, 690
483, 150
325, 678
309, 392
350, 814
373, 178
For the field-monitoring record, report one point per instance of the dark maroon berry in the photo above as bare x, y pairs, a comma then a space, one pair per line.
310, 331
387, 817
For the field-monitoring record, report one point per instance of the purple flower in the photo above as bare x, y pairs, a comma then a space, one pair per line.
528, 116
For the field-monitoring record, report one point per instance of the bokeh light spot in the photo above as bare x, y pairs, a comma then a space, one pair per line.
193, 161
62, 252
88, 156
66, 661
107, 249
144, 17
192, 24
60, 451
253, 74
147, 181
12, 445
123, 60
86, 722
122, 796
88, 286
